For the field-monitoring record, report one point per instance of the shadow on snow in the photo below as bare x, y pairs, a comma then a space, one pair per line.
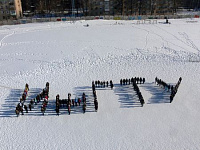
8, 108
159, 94
127, 96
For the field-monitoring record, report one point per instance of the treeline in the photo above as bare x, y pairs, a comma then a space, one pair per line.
113, 7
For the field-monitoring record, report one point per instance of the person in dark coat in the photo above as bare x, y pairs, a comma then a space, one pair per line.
31, 101
98, 82
84, 107
29, 105
171, 98
96, 104
57, 110
137, 79
140, 80
172, 88
121, 82
95, 94
26, 108
168, 87
107, 83
111, 85
156, 80
180, 79
124, 81
69, 108
143, 80
132, 80
142, 101
95, 83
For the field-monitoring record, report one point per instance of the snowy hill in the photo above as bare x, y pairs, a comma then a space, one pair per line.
70, 56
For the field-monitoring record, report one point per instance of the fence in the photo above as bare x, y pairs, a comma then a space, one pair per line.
55, 19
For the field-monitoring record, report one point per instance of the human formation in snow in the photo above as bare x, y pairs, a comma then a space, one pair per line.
99, 83
21, 105
168, 87
134, 82
69, 102
43, 96
175, 89
138, 80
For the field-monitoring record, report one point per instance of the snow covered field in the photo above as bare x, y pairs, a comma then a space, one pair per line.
70, 56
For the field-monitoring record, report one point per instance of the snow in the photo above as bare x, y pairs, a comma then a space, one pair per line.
70, 56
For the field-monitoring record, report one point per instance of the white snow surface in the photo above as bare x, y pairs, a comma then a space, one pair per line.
70, 56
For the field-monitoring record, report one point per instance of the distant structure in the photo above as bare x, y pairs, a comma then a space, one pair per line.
10, 9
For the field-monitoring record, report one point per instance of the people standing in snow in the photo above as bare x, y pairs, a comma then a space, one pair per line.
84, 107
111, 84
143, 80
69, 108
96, 104
26, 108
142, 101
137, 90
79, 101
76, 101
175, 89
57, 110
84, 97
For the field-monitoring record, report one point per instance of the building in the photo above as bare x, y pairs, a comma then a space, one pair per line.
10, 9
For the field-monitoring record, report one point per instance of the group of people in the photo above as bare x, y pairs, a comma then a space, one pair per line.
84, 102
139, 94
44, 95
21, 106
163, 84
138, 80
169, 87
175, 89
134, 82
60, 103
70, 102
95, 96
102, 84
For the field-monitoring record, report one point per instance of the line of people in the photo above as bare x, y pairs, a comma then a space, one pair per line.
175, 89
163, 84
95, 97
84, 102
45, 97
138, 80
21, 104
102, 84
139, 94
169, 87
